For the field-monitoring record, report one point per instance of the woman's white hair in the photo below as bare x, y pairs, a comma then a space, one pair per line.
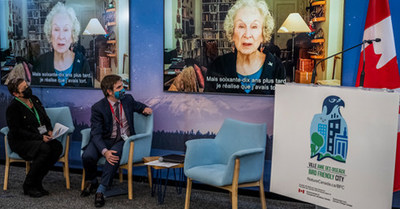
261, 5
60, 8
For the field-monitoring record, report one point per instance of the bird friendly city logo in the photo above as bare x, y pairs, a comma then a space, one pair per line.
328, 131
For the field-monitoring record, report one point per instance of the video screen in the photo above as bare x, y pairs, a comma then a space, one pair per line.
234, 46
67, 43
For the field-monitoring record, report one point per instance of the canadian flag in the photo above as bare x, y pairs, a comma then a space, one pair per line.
381, 67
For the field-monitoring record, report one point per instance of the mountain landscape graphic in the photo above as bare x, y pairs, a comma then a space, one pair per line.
187, 112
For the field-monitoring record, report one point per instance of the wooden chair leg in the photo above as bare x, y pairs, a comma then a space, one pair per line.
66, 174
121, 177
262, 194
6, 173
27, 167
66, 162
130, 167
235, 184
130, 182
235, 199
83, 180
188, 193
149, 177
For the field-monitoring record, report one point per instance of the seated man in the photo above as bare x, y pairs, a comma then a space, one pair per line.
111, 123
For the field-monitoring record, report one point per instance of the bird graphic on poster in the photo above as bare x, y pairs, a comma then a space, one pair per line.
329, 129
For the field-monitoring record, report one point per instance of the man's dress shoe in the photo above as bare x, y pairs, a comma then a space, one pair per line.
99, 200
89, 189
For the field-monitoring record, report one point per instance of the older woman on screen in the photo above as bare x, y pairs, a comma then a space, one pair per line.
62, 66
248, 25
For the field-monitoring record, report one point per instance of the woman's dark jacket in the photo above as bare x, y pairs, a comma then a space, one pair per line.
44, 73
24, 137
224, 68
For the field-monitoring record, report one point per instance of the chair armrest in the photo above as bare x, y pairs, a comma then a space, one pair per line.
142, 147
201, 152
5, 130
251, 164
70, 130
245, 152
85, 138
137, 137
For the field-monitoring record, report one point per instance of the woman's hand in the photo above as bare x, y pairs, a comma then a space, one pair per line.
46, 138
110, 157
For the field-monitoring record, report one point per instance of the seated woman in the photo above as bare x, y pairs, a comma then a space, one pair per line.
30, 136
247, 25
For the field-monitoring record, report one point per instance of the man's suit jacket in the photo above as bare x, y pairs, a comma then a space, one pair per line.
102, 119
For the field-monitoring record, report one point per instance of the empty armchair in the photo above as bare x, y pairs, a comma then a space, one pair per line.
235, 158
135, 148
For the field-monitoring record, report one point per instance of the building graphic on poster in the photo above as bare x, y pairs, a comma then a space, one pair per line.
328, 131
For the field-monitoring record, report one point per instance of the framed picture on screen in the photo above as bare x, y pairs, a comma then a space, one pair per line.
67, 43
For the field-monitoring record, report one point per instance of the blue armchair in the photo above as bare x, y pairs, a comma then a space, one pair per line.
135, 148
57, 115
235, 158
63, 116
11, 157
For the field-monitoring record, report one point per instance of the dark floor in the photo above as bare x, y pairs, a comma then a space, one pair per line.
60, 197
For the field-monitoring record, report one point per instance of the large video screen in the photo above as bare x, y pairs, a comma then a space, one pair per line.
234, 46
67, 43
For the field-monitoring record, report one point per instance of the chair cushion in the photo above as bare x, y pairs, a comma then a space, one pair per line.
209, 174
14, 155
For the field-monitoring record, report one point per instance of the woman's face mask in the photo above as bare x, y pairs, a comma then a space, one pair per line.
27, 93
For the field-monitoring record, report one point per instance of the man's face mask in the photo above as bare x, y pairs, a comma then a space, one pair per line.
119, 94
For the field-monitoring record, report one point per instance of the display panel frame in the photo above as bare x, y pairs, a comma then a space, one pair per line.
188, 31
23, 40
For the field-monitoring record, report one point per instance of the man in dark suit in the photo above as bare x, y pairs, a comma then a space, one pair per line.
111, 123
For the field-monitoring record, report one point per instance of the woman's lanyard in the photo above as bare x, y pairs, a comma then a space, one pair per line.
120, 114
36, 113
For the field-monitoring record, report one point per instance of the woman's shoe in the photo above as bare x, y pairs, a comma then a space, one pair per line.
32, 191
43, 191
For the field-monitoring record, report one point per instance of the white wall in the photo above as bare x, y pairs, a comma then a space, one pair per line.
85, 10
4, 14
335, 41
169, 24
123, 33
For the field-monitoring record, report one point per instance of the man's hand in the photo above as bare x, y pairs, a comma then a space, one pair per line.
46, 138
110, 157
147, 111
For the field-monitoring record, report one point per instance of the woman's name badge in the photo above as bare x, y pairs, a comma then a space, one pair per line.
124, 137
42, 129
